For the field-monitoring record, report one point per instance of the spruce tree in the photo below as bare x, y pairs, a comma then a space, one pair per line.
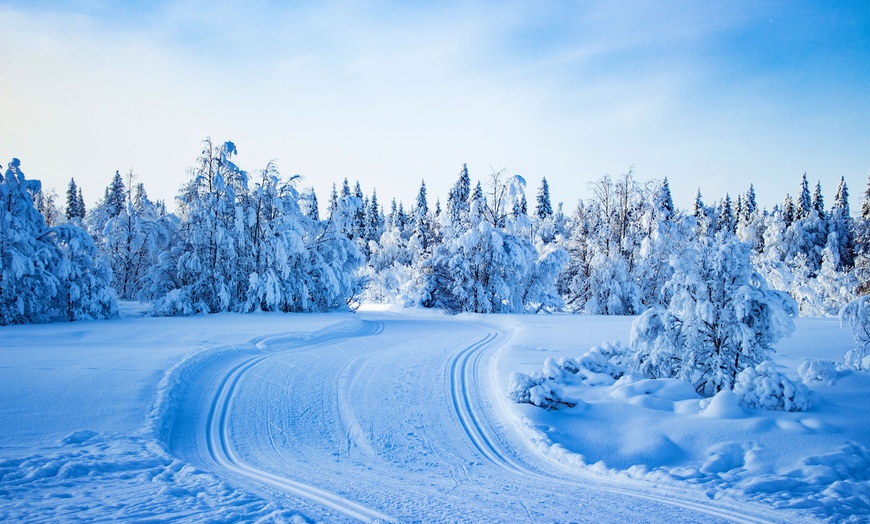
726, 216
804, 203
699, 210
458, 199
788, 211
72, 201
819, 201
116, 196
749, 203
543, 208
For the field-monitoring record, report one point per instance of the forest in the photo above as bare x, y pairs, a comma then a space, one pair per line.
255, 241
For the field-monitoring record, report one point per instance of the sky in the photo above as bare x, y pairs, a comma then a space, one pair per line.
711, 95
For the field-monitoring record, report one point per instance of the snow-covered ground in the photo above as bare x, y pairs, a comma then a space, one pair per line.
401, 416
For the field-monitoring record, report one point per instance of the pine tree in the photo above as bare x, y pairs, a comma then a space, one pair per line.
373, 218
458, 199
310, 207
726, 216
81, 205
788, 211
663, 202
333, 203
841, 200
359, 214
749, 203
116, 196
699, 210
543, 208
804, 203
865, 206
421, 219
72, 202
818, 201
843, 228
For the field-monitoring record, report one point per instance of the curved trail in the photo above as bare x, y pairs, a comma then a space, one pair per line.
393, 423
221, 451
463, 378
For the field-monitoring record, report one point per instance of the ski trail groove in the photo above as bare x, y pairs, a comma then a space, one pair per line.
464, 365
222, 453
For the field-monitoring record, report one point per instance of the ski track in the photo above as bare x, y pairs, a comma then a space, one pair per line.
464, 367
221, 451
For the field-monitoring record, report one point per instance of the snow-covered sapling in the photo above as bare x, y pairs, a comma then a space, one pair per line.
721, 318
857, 314
538, 391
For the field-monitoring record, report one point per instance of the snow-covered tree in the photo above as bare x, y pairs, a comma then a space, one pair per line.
84, 279
857, 315
663, 203
488, 270
543, 208
202, 273
308, 203
721, 318
46, 271
788, 210
27, 282
805, 202
459, 199
74, 208
132, 242
818, 201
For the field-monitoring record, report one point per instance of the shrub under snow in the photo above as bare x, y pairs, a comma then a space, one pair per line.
857, 314
763, 387
601, 365
818, 371
537, 390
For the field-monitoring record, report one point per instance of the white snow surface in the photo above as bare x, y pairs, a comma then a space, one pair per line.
402, 415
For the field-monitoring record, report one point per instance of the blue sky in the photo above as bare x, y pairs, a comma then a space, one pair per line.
716, 95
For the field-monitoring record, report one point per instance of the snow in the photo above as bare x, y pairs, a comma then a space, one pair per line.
401, 415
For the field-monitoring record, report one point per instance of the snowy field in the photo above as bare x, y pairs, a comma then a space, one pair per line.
396, 415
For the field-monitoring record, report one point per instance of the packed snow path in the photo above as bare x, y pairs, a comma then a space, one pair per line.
392, 422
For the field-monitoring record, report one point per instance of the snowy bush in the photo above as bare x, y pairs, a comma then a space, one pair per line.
721, 318
763, 387
601, 364
538, 390
857, 314
818, 371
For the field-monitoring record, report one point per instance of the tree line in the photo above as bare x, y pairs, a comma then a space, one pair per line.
241, 241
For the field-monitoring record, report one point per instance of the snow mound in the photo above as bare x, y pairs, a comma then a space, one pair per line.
724, 405
763, 387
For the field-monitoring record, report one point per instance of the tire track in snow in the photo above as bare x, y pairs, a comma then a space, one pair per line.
221, 451
464, 366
